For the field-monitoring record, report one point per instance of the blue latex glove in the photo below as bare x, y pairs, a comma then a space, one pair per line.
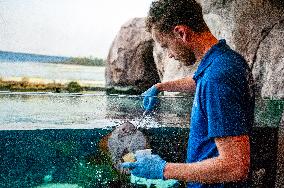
150, 98
147, 166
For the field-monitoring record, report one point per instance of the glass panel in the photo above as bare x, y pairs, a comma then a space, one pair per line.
59, 140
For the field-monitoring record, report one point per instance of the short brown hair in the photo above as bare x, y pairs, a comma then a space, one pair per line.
164, 15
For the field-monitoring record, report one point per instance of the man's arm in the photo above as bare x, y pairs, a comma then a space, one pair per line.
186, 84
182, 85
232, 164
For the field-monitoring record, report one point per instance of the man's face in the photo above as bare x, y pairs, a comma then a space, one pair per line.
175, 47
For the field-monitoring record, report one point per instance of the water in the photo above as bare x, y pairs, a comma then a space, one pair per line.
53, 140
30, 111
47, 72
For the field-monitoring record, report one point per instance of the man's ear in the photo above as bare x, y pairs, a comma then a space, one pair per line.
181, 32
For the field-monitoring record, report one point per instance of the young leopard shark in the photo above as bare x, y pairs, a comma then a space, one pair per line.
124, 139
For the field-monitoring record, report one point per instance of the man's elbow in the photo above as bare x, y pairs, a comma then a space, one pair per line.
240, 172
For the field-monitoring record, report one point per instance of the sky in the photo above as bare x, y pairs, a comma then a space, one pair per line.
65, 27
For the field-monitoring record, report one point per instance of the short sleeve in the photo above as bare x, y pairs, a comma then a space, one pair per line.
224, 108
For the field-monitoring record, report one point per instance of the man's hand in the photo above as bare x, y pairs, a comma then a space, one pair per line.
150, 98
147, 166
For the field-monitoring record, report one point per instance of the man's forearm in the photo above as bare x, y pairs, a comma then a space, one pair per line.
209, 171
186, 84
232, 164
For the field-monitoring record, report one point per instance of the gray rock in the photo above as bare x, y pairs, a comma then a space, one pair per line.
268, 68
241, 23
130, 61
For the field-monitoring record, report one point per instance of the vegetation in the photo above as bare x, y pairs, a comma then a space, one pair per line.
25, 86
87, 61
74, 87
268, 112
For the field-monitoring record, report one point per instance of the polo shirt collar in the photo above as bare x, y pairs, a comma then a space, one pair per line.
205, 62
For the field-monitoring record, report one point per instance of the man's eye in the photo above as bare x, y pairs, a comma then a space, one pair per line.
164, 46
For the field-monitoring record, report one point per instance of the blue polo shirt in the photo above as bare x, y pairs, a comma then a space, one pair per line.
223, 104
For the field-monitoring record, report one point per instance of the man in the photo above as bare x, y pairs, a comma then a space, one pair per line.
218, 153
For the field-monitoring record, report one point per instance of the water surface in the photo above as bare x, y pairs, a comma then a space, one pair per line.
29, 111
48, 72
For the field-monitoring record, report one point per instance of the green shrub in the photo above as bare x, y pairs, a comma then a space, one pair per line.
74, 87
87, 61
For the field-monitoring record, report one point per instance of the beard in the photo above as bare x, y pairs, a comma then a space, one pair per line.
187, 58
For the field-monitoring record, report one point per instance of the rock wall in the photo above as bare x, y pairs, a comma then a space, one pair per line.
254, 29
268, 68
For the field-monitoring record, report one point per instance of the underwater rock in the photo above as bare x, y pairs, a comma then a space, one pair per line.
125, 139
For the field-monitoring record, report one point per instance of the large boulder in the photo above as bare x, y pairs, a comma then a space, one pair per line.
130, 63
255, 29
